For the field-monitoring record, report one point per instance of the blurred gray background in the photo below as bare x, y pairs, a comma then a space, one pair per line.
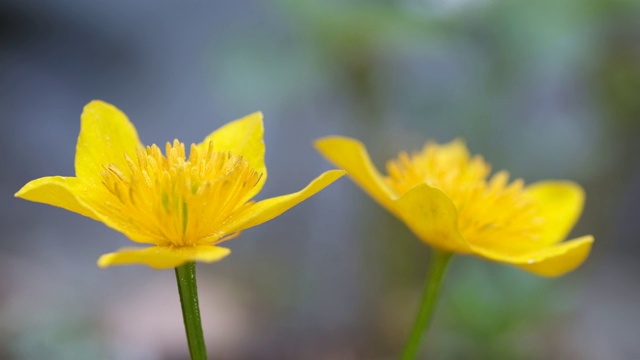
545, 88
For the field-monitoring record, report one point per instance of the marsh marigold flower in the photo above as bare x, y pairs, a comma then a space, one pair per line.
182, 205
449, 200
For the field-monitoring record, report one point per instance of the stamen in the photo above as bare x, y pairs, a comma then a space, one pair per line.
178, 200
489, 209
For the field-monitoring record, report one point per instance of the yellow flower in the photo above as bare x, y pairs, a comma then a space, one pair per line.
185, 206
446, 197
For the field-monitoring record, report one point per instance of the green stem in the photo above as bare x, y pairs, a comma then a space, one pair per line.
188, 289
439, 261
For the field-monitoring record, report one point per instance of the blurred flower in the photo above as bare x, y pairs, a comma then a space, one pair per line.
447, 198
184, 206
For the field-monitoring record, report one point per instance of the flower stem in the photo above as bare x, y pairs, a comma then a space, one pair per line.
188, 289
439, 261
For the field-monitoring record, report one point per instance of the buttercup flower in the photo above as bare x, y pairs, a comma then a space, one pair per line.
182, 205
447, 198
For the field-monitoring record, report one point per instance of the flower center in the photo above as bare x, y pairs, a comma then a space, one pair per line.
178, 200
490, 210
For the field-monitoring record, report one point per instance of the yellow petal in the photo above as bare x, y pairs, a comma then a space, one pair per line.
265, 210
242, 137
106, 135
78, 195
163, 257
431, 215
554, 260
351, 155
561, 203
58, 191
